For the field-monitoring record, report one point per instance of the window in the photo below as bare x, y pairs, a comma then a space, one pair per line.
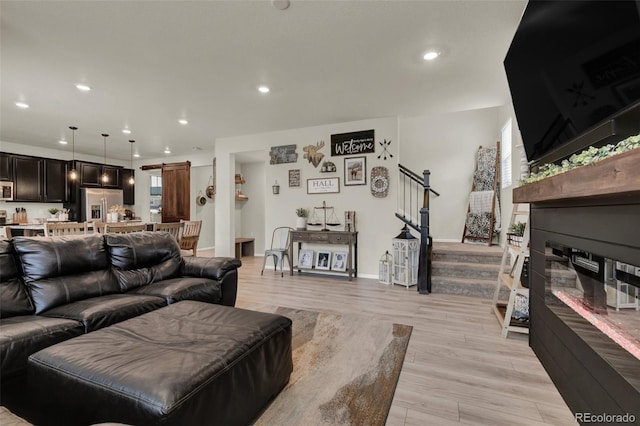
155, 198
505, 157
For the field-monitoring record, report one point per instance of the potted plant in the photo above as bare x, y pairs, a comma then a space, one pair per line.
53, 212
301, 222
515, 233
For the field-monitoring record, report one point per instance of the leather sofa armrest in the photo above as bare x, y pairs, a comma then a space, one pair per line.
223, 269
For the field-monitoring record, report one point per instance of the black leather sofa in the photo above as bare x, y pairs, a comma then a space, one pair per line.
55, 289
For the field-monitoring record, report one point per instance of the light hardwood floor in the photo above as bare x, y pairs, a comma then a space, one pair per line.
457, 370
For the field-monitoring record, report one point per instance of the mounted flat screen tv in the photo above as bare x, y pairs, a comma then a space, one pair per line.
574, 69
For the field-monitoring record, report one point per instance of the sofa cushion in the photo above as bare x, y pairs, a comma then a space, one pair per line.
61, 270
142, 258
14, 299
21, 336
209, 267
99, 312
184, 288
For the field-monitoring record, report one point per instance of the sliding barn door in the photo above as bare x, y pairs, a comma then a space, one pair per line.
176, 184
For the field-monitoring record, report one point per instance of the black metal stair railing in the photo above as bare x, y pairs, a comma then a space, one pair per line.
413, 210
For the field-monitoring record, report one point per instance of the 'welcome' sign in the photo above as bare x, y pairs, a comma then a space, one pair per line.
353, 143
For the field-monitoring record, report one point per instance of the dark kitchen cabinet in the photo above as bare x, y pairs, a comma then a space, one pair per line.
113, 177
5, 166
56, 189
128, 189
91, 175
27, 178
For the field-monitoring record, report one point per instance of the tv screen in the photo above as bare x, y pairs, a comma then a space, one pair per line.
571, 66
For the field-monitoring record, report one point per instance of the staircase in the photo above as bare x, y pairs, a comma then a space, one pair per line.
465, 269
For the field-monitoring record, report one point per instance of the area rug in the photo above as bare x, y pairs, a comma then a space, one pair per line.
345, 370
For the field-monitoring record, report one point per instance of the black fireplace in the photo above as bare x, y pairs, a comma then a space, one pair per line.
585, 322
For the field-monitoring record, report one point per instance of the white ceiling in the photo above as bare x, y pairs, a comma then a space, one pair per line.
150, 63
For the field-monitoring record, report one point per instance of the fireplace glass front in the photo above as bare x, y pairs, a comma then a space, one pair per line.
599, 299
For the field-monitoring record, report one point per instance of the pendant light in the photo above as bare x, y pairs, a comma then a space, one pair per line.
105, 177
131, 179
73, 173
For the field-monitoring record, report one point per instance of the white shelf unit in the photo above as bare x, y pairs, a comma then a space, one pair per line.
509, 276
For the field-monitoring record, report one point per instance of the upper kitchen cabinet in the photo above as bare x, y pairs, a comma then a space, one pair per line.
56, 188
39, 179
27, 178
91, 175
128, 189
5, 166
113, 177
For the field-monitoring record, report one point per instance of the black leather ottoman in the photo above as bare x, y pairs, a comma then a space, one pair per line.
190, 363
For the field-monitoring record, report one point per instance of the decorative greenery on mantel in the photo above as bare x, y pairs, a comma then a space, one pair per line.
588, 156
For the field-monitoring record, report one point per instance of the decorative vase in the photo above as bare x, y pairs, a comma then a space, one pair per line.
113, 217
301, 223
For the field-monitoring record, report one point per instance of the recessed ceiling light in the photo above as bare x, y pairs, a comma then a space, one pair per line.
62, 142
263, 89
431, 55
83, 87
136, 155
22, 105
126, 131
167, 151
280, 4
183, 122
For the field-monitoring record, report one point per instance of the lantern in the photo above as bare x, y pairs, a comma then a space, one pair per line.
406, 249
386, 263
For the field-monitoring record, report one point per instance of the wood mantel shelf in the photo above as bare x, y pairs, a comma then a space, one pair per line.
615, 176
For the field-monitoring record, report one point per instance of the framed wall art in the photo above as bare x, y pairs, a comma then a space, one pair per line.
323, 185
294, 177
283, 154
355, 171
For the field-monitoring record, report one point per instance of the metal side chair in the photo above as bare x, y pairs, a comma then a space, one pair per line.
280, 242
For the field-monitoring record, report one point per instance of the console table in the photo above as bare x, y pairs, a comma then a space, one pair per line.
349, 239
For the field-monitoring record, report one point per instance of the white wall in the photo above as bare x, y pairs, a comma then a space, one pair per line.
446, 145
375, 219
199, 182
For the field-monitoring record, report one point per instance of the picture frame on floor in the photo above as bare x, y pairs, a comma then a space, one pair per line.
305, 259
323, 259
339, 261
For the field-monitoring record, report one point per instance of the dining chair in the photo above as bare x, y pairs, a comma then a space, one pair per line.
280, 242
7, 233
190, 235
118, 228
98, 227
66, 228
173, 228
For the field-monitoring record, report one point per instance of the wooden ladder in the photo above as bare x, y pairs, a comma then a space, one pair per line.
488, 239
511, 278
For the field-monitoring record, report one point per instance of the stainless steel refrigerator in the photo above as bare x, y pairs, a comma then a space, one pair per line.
95, 203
